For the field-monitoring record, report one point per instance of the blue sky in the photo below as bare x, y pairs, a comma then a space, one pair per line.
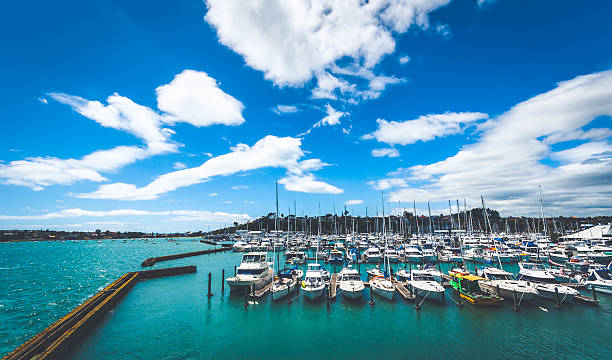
172, 116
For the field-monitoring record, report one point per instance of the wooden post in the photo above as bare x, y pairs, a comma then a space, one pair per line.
514, 298
246, 299
371, 298
222, 281
209, 285
417, 305
594, 292
234, 270
498, 292
557, 303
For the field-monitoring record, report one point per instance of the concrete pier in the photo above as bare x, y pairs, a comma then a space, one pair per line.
58, 338
152, 261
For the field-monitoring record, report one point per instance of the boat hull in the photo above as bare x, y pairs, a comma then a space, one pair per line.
313, 294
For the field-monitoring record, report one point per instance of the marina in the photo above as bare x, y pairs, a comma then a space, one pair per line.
207, 293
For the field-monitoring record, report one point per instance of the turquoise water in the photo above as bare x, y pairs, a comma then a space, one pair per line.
172, 318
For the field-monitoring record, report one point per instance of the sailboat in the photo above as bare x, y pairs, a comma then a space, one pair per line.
382, 285
313, 284
284, 282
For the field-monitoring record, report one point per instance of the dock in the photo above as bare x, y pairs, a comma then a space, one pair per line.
152, 261
333, 286
261, 292
405, 293
59, 337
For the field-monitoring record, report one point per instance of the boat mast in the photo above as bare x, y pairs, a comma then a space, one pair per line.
384, 230
275, 228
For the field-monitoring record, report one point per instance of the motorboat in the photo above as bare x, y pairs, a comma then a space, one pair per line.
551, 291
382, 287
351, 285
413, 255
253, 273
336, 257
425, 285
375, 272
536, 272
502, 283
313, 284
372, 255
392, 255
283, 284
600, 280
468, 287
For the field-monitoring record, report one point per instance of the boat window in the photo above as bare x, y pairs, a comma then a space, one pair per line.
423, 277
605, 274
250, 271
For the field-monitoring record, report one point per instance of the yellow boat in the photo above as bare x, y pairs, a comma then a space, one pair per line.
468, 288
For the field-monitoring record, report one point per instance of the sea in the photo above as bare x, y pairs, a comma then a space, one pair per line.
173, 318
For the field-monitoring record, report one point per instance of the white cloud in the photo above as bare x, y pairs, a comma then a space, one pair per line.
43, 100
227, 202
179, 165
195, 98
404, 59
331, 119
424, 128
388, 183
354, 202
285, 109
293, 41
213, 194
308, 184
389, 152
510, 159
271, 151
187, 98
240, 187
177, 215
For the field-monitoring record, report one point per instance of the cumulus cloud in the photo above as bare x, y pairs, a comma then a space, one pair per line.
424, 128
195, 98
192, 97
285, 109
293, 41
512, 157
404, 59
307, 183
270, 151
389, 152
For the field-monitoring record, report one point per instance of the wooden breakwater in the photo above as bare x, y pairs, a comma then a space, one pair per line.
54, 341
152, 261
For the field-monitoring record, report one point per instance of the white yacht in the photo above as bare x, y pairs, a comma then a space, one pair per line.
313, 284
382, 287
372, 255
425, 285
253, 273
536, 272
392, 255
504, 281
547, 291
413, 255
600, 280
351, 285
284, 284
239, 246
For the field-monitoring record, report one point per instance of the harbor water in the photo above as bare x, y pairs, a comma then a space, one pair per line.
173, 318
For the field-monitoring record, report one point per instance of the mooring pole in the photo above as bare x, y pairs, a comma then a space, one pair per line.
514, 298
498, 292
234, 270
222, 281
371, 298
246, 301
557, 303
417, 305
209, 285
594, 292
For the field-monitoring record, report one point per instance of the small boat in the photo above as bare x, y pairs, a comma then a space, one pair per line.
336, 257
550, 291
382, 287
284, 284
536, 272
351, 285
372, 255
239, 246
313, 284
375, 272
253, 273
600, 280
502, 283
392, 255
468, 287
425, 285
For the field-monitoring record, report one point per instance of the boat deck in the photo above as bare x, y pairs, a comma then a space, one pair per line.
261, 292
